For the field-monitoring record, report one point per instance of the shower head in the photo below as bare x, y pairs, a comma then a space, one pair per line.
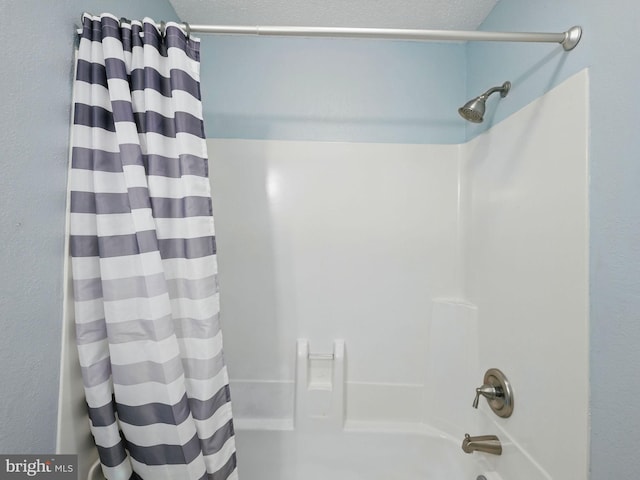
474, 109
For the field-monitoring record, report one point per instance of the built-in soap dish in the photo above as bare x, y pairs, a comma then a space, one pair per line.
320, 386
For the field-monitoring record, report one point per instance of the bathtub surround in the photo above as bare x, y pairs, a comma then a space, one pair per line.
326, 241
143, 257
525, 241
433, 263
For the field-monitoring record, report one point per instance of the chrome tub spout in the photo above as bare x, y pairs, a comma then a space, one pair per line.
484, 443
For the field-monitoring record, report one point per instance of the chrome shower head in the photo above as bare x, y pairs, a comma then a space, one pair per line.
474, 109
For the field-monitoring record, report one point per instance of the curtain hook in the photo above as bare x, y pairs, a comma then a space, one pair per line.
163, 28
187, 29
85, 14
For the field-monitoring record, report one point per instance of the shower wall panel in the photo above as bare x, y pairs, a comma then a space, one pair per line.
323, 241
525, 218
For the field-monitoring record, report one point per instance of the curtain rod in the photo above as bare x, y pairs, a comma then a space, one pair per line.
568, 39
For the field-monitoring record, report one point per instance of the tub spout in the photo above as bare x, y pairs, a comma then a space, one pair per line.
485, 443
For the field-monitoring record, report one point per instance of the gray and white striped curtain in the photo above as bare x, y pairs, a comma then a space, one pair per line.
144, 257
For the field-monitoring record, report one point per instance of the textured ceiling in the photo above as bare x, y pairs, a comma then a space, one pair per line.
427, 14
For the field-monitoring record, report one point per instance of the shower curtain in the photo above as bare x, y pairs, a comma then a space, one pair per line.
144, 257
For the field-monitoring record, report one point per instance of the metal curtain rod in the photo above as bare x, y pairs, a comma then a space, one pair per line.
568, 39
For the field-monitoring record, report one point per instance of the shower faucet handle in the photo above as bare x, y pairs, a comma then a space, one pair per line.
488, 391
498, 392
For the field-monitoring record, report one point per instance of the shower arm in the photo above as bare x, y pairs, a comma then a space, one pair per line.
503, 89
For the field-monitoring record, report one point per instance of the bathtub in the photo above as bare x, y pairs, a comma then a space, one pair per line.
351, 454
354, 454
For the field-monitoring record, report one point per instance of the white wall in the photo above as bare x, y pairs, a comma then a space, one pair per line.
525, 210
333, 240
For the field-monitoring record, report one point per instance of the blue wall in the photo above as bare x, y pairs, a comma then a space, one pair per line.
332, 89
324, 89
532, 68
35, 88
610, 49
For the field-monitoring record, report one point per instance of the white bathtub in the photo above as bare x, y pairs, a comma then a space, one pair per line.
354, 455
349, 455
